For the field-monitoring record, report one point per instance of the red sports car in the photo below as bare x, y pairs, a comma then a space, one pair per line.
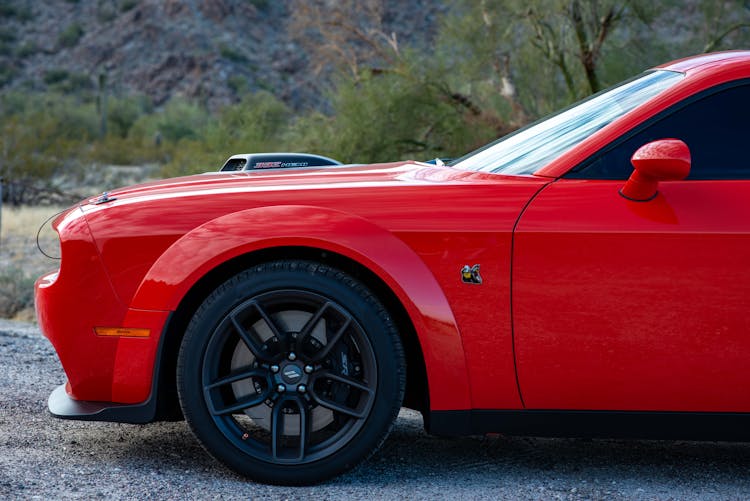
586, 275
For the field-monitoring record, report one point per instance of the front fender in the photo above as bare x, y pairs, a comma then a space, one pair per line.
219, 240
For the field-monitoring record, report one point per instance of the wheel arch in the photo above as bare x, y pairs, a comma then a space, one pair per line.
437, 377
416, 396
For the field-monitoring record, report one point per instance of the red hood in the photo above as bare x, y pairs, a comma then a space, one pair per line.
396, 173
135, 225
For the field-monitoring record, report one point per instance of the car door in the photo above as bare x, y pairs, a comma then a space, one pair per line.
624, 305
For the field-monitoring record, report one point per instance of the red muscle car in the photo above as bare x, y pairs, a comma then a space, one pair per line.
586, 275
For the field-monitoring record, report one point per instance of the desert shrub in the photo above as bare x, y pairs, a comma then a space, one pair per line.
259, 4
13, 103
127, 5
114, 150
78, 82
180, 119
70, 36
258, 123
10, 10
189, 157
21, 260
16, 291
68, 118
238, 84
7, 73
385, 118
44, 137
26, 49
123, 112
7, 36
7, 39
106, 12
60, 80
55, 76
231, 54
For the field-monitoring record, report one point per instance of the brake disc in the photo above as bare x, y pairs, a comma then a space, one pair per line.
242, 357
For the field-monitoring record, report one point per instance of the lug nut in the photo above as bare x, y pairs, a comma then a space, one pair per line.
281, 388
302, 388
308, 368
274, 369
292, 357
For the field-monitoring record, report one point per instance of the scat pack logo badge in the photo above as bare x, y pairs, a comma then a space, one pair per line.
470, 275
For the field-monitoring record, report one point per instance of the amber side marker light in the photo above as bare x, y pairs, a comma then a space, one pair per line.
121, 332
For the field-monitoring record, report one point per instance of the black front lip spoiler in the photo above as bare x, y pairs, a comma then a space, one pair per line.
61, 405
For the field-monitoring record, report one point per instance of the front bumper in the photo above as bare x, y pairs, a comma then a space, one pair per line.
74, 300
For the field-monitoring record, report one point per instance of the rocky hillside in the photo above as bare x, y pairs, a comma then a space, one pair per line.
213, 50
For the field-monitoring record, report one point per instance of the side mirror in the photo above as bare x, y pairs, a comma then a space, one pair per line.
660, 160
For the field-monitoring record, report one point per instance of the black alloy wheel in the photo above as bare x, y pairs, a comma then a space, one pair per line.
291, 372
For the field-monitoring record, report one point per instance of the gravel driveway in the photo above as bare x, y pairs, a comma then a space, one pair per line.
46, 458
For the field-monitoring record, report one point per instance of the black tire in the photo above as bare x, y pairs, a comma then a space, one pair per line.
291, 372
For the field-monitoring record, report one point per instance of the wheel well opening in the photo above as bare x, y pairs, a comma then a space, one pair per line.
416, 396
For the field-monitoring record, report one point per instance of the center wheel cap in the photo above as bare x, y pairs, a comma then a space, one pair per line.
291, 374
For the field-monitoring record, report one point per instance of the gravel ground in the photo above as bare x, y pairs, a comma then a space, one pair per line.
46, 458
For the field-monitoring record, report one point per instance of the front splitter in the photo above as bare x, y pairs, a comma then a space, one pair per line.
61, 405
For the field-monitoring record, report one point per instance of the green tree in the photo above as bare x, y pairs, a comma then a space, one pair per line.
258, 123
42, 139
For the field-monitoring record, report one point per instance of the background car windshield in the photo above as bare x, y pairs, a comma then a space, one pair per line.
531, 148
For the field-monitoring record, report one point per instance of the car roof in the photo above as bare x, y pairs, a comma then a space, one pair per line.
707, 61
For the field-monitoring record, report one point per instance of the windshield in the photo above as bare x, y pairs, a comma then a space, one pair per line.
531, 148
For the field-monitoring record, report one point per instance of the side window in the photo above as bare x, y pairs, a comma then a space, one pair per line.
716, 128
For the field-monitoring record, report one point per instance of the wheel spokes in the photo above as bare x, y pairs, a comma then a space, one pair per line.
366, 396
273, 380
347, 381
277, 429
251, 339
236, 376
240, 405
305, 423
326, 350
282, 338
337, 407
311, 323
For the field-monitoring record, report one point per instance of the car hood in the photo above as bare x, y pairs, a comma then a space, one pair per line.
133, 226
352, 176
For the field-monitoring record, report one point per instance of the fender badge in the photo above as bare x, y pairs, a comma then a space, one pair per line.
470, 275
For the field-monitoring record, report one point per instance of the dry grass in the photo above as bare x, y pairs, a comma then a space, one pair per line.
20, 260
24, 221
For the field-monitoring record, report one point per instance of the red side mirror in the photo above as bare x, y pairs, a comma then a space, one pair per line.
660, 160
